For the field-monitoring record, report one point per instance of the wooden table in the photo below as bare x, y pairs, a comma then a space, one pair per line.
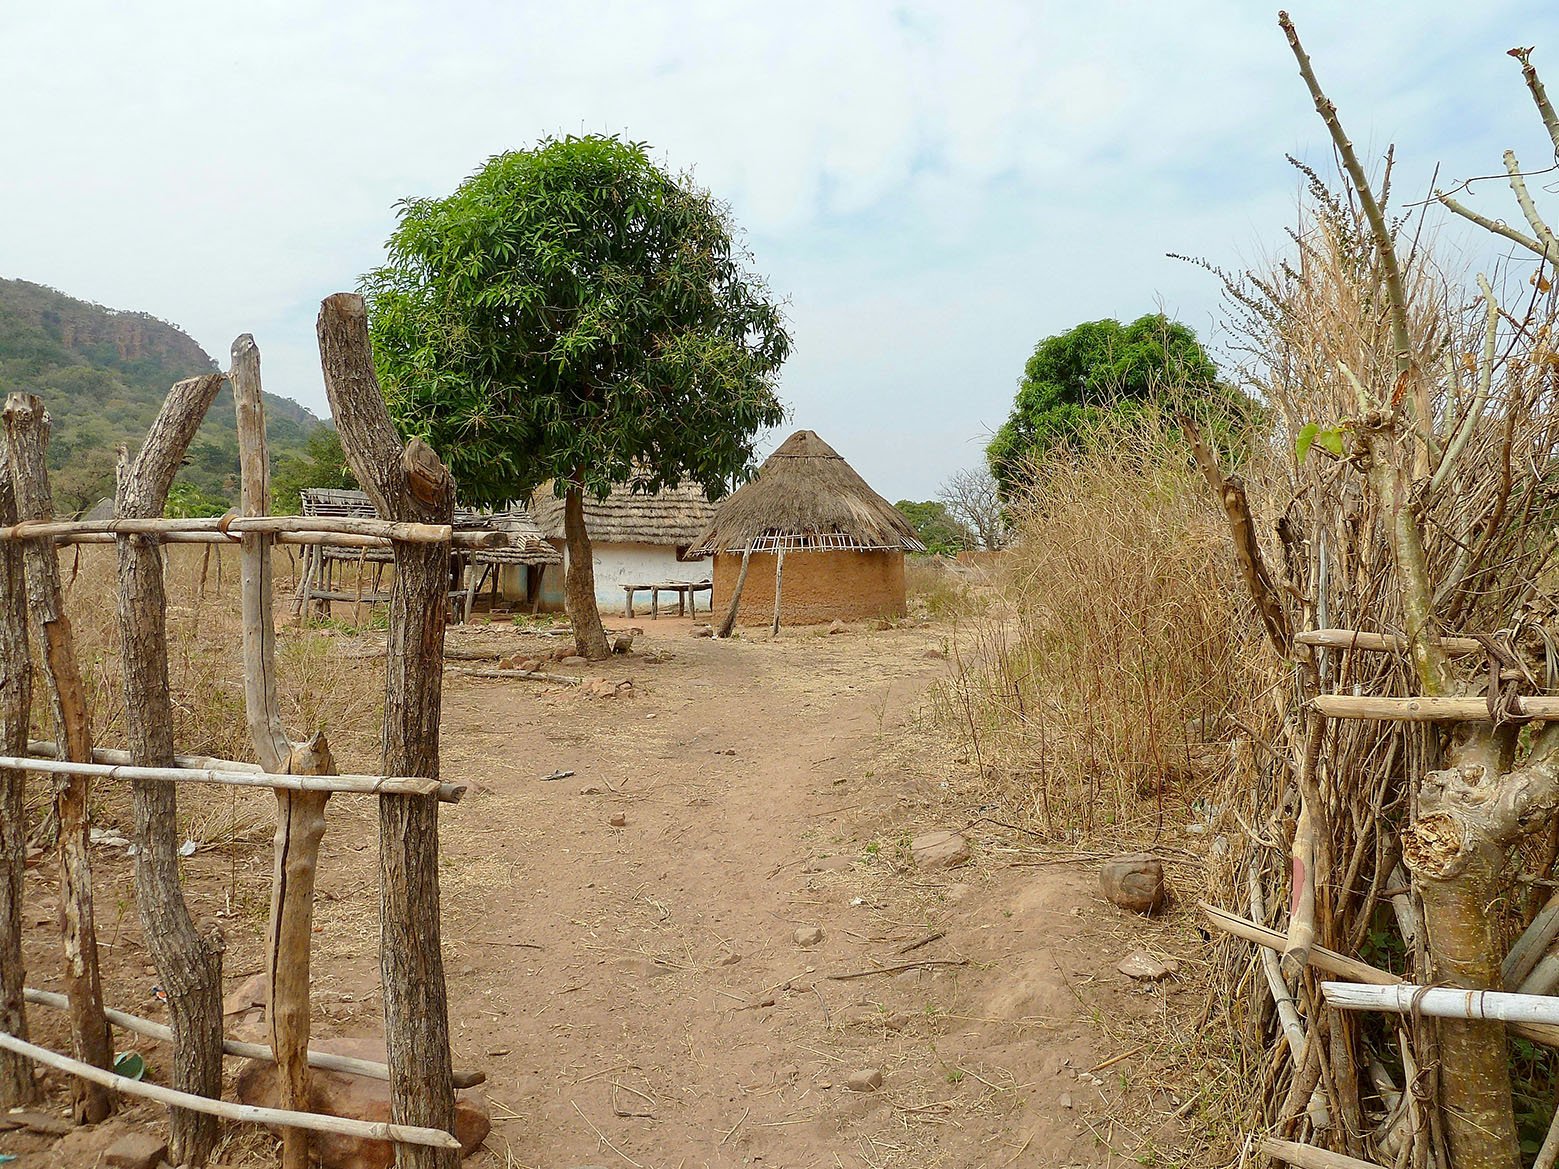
687, 595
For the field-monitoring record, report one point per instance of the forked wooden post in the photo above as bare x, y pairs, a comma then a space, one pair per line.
16, 1080
300, 815
405, 483
188, 965
27, 433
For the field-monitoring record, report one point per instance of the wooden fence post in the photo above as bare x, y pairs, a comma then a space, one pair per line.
27, 433
189, 966
16, 1079
405, 483
724, 628
300, 815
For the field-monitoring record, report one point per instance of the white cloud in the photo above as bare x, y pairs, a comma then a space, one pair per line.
936, 186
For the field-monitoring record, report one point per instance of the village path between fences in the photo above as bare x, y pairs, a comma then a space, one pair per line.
629, 947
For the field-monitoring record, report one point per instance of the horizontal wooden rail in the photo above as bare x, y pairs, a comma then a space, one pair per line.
224, 525
254, 1114
328, 1061
464, 540
1428, 710
1335, 963
1380, 642
48, 749
1443, 1002
373, 785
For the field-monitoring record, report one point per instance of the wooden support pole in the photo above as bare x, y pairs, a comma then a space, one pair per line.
300, 815
27, 435
188, 964
404, 1135
406, 533
1353, 639
16, 1078
779, 580
305, 539
405, 483
1443, 1002
729, 620
373, 785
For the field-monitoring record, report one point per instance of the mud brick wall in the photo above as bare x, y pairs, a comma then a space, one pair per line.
818, 587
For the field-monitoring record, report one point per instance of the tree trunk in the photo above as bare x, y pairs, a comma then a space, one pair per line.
729, 620
27, 432
189, 967
579, 579
16, 1080
407, 483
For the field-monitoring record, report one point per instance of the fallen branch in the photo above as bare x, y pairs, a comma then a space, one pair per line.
253, 1114
1310, 1157
1381, 642
899, 969
537, 675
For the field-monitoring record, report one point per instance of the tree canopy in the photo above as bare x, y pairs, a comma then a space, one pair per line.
1075, 377
938, 530
574, 313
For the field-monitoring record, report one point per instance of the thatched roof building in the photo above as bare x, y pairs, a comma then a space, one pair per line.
815, 532
673, 516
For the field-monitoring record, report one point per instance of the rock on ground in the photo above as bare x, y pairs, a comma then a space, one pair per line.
136, 1150
940, 849
1143, 967
865, 1080
809, 935
340, 1094
1135, 882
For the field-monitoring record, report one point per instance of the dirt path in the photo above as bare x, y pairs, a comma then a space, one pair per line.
667, 1015
637, 993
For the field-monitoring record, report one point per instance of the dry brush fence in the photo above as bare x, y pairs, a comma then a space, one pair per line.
414, 493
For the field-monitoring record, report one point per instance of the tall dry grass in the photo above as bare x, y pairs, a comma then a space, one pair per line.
1096, 692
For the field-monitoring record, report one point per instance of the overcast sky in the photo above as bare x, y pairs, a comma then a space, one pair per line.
933, 187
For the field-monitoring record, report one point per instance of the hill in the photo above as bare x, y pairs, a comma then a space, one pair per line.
103, 375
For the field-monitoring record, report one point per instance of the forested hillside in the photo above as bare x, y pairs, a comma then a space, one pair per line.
103, 375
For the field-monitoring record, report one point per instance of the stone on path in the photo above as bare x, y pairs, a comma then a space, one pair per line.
865, 1080
940, 849
618, 820
341, 1094
573, 660
136, 1150
1135, 882
837, 626
1143, 967
809, 935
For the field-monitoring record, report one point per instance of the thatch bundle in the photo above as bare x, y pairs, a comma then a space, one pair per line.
806, 497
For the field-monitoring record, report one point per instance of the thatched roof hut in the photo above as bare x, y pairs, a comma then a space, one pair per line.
816, 535
674, 516
806, 497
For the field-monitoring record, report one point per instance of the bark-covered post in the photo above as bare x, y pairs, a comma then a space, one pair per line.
16, 1081
300, 816
27, 434
579, 577
189, 966
405, 483
729, 620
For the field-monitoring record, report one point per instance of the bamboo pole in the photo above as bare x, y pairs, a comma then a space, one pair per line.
1530, 947
1287, 1010
1426, 709
1310, 1157
368, 785
27, 433
251, 1113
188, 964
238, 1049
1443, 1002
1381, 642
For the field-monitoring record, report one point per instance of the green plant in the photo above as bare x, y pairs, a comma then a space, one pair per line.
575, 314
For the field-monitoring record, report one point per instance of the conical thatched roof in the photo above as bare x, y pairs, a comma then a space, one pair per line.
806, 497
673, 516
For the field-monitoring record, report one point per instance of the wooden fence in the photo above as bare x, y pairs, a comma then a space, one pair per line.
413, 494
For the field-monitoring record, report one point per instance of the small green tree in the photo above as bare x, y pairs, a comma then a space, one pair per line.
321, 463
574, 313
934, 524
1075, 377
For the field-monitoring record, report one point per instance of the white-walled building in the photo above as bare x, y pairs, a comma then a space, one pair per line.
635, 539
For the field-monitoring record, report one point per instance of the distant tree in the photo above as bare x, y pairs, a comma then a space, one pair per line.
574, 313
321, 463
86, 477
973, 500
938, 530
1074, 378
187, 501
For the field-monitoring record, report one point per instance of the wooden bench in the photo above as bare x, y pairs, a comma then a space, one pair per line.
687, 595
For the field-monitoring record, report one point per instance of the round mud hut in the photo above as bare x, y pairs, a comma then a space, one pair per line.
817, 543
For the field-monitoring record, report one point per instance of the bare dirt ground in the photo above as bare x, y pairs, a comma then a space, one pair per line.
637, 994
